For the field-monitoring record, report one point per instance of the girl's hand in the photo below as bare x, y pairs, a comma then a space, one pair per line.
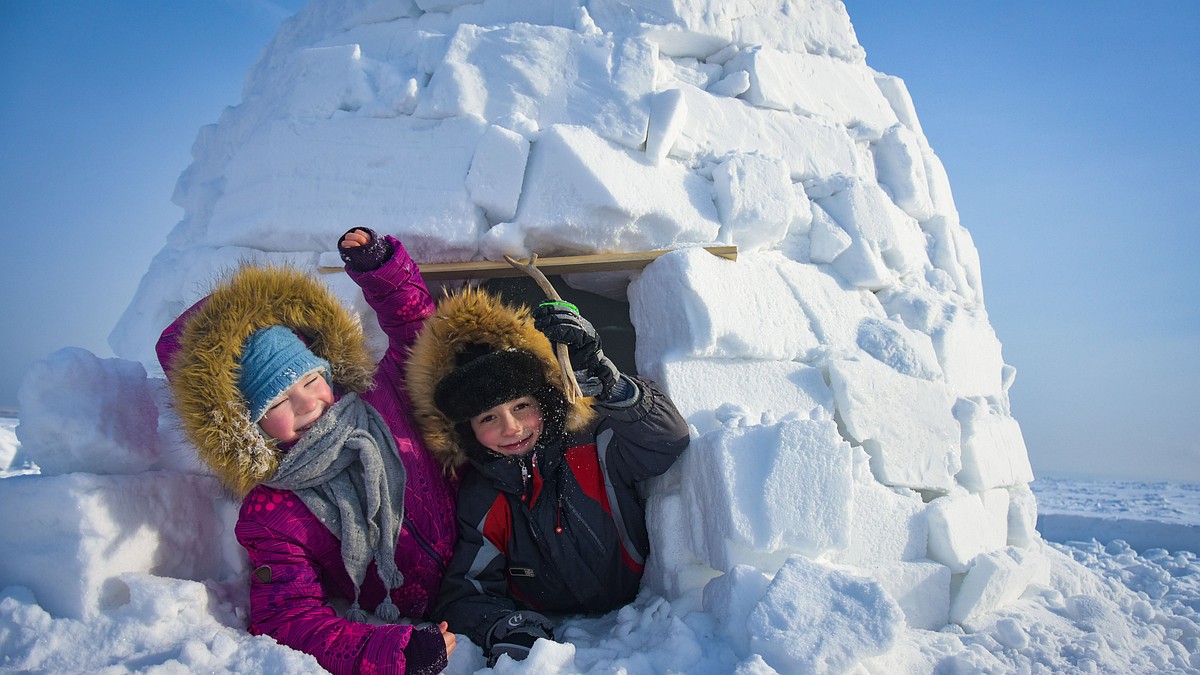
355, 238
450, 638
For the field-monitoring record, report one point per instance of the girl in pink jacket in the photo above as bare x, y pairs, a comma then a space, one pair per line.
347, 520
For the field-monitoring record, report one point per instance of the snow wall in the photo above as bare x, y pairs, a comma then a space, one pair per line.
848, 396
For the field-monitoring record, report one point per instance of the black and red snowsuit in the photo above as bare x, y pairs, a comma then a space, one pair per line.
563, 529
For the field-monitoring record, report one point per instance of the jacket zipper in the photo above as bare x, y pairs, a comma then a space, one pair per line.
424, 543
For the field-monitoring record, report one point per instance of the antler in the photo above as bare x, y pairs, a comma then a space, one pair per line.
564, 360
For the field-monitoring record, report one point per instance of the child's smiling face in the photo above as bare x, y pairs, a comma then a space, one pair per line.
511, 428
289, 416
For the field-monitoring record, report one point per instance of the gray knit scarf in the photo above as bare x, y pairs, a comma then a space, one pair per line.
347, 471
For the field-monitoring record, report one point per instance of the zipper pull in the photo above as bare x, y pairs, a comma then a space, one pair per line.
524, 478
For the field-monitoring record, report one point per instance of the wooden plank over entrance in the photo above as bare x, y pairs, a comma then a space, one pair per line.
572, 264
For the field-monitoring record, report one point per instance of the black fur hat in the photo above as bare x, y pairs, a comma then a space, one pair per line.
483, 379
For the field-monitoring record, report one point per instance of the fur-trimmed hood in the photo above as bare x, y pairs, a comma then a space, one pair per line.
203, 366
469, 317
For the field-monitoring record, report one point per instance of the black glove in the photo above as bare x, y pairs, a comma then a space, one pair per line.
561, 323
515, 634
365, 258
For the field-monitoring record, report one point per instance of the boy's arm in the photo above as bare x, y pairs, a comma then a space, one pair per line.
651, 431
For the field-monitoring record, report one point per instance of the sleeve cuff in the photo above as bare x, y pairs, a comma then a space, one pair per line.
426, 652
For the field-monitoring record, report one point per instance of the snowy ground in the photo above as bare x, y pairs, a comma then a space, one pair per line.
161, 625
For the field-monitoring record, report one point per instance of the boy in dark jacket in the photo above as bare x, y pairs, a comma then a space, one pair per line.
550, 517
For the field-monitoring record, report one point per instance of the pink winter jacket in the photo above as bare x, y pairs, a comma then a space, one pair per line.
296, 561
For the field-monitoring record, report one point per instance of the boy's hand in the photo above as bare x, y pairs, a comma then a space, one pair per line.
515, 634
560, 322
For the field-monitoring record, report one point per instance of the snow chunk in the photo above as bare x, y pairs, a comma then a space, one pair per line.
1022, 517
759, 494
885, 241
814, 86
921, 589
995, 580
83, 413
90, 529
584, 194
903, 350
814, 619
497, 171
552, 75
755, 200
719, 126
888, 524
966, 344
900, 168
915, 445
963, 526
294, 187
993, 450
692, 304
697, 29
668, 115
765, 390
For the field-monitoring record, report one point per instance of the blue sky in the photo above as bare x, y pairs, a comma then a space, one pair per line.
1067, 128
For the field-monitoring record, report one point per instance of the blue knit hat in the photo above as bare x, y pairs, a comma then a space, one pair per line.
272, 360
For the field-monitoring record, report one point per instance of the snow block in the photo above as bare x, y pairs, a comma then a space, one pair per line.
497, 171
326, 80
900, 169
827, 239
731, 598
551, 75
994, 580
760, 494
963, 526
813, 27
584, 194
90, 529
668, 114
900, 348
835, 308
673, 570
814, 85
971, 357
904, 423
717, 308
921, 589
765, 390
993, 450
966, 344
885, 241
755, 200
815, 619
293, 186
952, 250
83, 413
1022, 517
718, 126
888, 524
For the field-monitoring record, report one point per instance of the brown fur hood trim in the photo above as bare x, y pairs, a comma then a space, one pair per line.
473, 316
203, 372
